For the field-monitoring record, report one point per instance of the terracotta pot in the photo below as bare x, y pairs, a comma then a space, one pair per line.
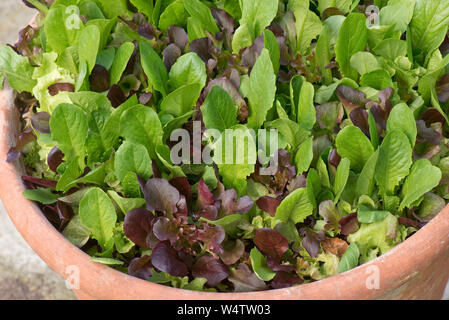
415, 269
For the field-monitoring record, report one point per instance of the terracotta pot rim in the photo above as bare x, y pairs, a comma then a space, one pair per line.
59, 253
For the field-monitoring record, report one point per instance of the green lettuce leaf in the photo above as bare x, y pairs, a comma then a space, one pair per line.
350, 42
17, 69
262, 90
394, 162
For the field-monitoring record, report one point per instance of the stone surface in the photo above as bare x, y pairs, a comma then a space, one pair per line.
23, 275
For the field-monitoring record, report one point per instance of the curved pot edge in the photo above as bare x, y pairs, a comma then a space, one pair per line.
102, 282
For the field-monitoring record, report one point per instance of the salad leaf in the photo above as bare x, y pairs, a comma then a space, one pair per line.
219, 111
57, 36
349, 43
295, 207
341, 178
256, 16
89, 45
262, 90
304, 156
350, 259
422, 179
306, 109
141, 125
120, 61
182, 100
132, 157
428, 26
375, 236
188, 69
354, 145
44, 196
394, 162
17, 69
154, 68
401, 118
202, 12
307, 23
69, 125
235, 171
259, 264
98, 214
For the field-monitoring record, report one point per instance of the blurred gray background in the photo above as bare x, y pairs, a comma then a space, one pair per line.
23, 275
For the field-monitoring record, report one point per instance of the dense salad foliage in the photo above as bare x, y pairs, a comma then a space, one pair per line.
357, 90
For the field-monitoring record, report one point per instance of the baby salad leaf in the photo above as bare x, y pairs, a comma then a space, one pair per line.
98, 214
241, 164
219, 111
76, 232
182, 100
378, 79
304, 156
295, 207
373, 131
146, 7
429, 26
376, 235
131, 157
262, 90
394, 162
121, 59
115, 8
273, 47
365, 182
422, 179
69, 126
341, 178
271, 242
141, 125
353, 144
100, 139
69, 176
107, 261
391, 49
292, 133
44, 196
154, 68
350, 258
89, 44
364, 62
188, 69
259, 264
397, 15
17, 69
401, 118
305, 108
307, 23
366, 214
323, 54
256, 16
174, 14
342, 5
126, 204
349, 42
200, 11
57, 36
